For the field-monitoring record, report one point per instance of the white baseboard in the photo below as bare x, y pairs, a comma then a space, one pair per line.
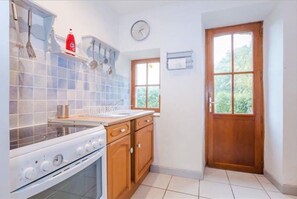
284, 188
177, 172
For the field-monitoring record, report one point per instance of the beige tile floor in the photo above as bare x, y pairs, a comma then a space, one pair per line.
220, 184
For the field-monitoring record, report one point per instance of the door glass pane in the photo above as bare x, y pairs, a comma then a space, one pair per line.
222, 54
140, 97
153, 73
140, 72
243, 93
243, 52
153, 97
223, 93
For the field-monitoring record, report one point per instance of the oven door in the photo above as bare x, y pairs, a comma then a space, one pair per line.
82, 179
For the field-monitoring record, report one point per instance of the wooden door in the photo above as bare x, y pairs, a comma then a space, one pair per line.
143, 150
234, 98
119, 167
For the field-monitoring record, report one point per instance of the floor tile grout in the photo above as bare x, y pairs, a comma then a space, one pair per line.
167, 187
262, 186
230, 184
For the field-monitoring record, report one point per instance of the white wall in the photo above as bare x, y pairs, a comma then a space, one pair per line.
290, 92
273, 94
85, 18
280, 60
4, 99
88, 18
179, 131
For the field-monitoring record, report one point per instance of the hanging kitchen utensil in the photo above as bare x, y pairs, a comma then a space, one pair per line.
105, 60
109, 71
29, 47
100, 59
93, 63
114, 58
16, 23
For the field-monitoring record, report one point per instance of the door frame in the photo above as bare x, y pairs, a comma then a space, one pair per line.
259, 163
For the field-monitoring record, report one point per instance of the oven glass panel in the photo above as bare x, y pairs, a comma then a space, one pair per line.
81, 185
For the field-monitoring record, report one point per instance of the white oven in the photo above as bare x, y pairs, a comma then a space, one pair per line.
70, 167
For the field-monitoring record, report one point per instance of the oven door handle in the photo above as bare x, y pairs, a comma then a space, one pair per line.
58, 176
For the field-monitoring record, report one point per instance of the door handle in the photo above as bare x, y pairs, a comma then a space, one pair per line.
210, 102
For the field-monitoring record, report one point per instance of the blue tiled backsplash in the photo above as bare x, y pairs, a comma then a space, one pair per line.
38, 86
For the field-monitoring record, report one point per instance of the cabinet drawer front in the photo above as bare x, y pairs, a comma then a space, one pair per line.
117, 131
144, 121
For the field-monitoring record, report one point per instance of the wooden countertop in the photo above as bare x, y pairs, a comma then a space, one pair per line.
96, 121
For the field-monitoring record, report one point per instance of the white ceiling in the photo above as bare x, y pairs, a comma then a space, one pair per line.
122, 7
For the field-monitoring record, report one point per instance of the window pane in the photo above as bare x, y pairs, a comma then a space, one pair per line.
140, 97
153, 73
223, 93
140, 72
153, 97
243, 52
243, 93
222, 54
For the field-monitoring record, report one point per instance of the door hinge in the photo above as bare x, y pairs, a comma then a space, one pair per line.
131, 150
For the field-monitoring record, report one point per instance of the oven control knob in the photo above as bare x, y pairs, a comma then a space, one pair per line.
45, 166
80, 151
30, 173
101, 142
95, 144
88, 147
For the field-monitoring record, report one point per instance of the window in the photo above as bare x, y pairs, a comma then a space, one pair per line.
145, 85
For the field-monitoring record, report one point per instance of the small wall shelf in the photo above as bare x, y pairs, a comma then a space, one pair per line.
87, 42
57, 47
42, 33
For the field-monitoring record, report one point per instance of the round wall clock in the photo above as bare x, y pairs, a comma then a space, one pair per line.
140, 30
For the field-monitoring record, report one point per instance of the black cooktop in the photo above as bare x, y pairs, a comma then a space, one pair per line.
33, 134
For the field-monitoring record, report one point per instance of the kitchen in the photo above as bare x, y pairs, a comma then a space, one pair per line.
173, 27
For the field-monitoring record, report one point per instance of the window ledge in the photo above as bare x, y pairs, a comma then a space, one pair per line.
156, 114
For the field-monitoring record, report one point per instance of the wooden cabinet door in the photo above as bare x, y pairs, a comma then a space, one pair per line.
143, 150
119, 167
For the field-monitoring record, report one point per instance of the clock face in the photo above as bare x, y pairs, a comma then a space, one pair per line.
140, 30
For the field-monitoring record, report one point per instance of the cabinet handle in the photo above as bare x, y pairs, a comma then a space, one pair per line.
138, 145
123, 130
131, 150
147, 120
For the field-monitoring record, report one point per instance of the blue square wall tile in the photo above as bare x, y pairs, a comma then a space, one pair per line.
26, 92
13, 107
52, 94
71, 84
71, 65
62, 84
62, 73
71, 74
62, 62
52, 71
25, 79
52, 82
86, 86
